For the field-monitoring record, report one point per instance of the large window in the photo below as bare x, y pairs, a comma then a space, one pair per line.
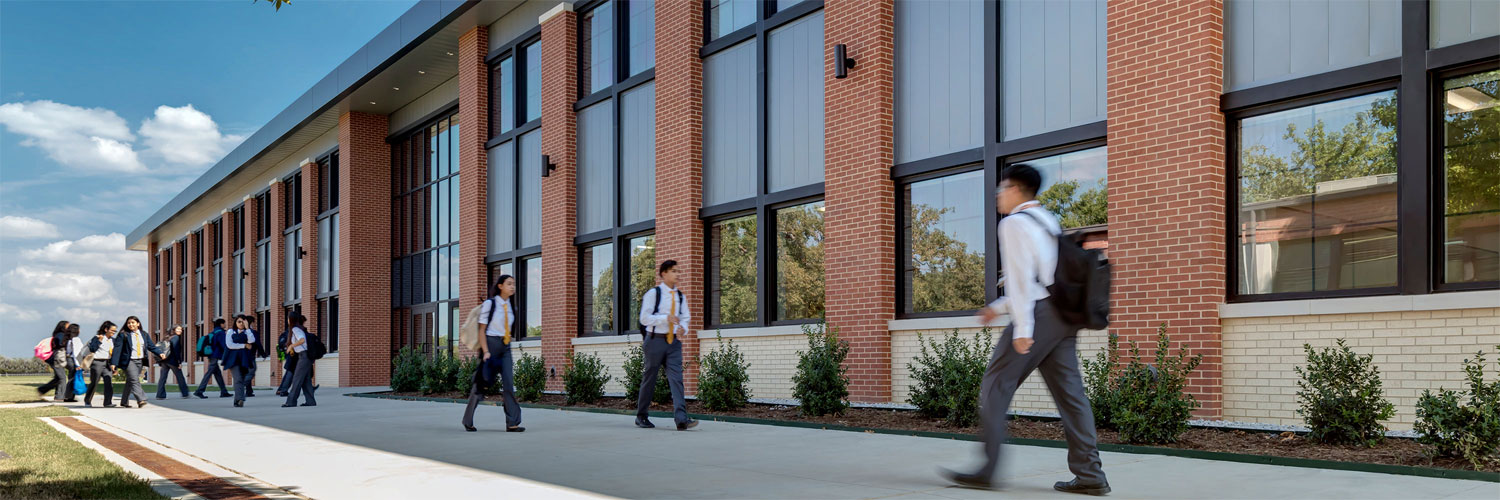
942, 235
1471, 178
515, 179
763, 162
425, 235
1073, 187
263, 254
182, 281
598, 289
1317, 197
171, 291
515, 84
238, 272
328, 224
197, 244
617, 40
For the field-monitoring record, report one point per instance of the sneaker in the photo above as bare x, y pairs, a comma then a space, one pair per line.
1076, 486
644, 423
682, 426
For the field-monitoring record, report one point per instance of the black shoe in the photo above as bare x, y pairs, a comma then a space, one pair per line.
70, 401
185, 396
140, 404
682, 426
309, 404
159, 398
1077, 487
282, 393
225, 395
644, 424
239, 403
109, 405
470, 428
974, 481
249, 395
200, 395
88, 405
515, 429
288, 405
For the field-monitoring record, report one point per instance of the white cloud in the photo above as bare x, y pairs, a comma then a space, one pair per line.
84, 316
68, 287
13, 226
17, 312
186, 136
97, 253
91, 139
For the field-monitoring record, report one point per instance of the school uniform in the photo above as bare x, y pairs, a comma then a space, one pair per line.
58, 363
172, 365
211, 364
255, 352
288, 366
500, 321
131, 354
664, 315
239, 359
101, 367
302, 378
75, 353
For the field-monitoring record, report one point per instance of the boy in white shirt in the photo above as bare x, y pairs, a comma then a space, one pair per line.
664, 319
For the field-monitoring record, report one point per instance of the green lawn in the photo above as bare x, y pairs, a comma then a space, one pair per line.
45, 463
22, 389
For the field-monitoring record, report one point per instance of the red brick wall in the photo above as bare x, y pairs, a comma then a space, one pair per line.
226, 232
679, 159
310, 235
1166, 177
860, 222
278, 267
559, 193
193, 243
210, 283
364, 250
473, 169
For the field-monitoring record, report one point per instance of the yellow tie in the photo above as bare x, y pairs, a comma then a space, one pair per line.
505, 317
135, 338
672, 317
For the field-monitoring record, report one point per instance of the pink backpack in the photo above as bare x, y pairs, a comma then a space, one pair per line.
44, 349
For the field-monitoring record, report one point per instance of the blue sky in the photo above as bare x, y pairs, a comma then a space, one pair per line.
108, 109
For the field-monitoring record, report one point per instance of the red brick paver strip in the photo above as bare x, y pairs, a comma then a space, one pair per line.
196, 481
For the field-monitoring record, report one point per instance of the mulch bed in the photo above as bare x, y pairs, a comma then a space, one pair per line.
1392, 451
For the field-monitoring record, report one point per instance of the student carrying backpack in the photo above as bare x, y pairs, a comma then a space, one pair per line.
1080, 284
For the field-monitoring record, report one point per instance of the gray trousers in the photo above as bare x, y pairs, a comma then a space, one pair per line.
1054, 353
211, 370
241, 381
97, 370
500, 363
161, 387
301, 381
289, 370
132, 382
59, 373
659, 354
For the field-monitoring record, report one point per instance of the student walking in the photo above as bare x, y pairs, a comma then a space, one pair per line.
75, 353
100, 360
238, 357
211, 349
664, 319
257, 351
298, 346
172, 365
132, 349
1038, 338
499, 317
58, 361
288, 364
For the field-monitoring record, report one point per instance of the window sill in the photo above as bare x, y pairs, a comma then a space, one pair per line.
946, 323
606, 339
528, 343
1356, 305
751, 331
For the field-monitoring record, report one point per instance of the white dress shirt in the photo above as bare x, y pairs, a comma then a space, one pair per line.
229, 342
106, 349
137, 345
1028, 254
504, 318
298, 334
657, 323
75, 349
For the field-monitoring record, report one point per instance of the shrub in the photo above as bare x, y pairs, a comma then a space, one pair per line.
1153, 406
948, 376
410, 366
24, 365
441, 374
1101, 384
635, 367
1449, 427
820, 382
724, 383
585, 378
1341, 397
531, 377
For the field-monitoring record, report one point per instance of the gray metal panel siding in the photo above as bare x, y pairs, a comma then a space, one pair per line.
1052, 65
1458, 21
502, 214
638, 154
531, 189
937, 44
729, 104
596, 167
1276, 40
795, 113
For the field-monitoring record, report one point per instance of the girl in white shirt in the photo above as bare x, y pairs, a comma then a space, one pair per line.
297, 346
497, 319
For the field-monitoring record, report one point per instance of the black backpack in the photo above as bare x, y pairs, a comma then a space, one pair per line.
656, 308
315, 347
1080, 285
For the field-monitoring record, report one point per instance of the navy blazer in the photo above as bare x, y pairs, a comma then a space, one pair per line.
123, 348
174, 351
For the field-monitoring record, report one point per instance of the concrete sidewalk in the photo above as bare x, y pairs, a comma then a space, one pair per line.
369, 448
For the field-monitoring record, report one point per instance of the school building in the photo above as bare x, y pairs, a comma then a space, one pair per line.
1261, 173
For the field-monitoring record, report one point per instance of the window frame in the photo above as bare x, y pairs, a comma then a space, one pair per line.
292, 183
404, 187
328, 184
516, 51
1439, 170
263, 229
619, 44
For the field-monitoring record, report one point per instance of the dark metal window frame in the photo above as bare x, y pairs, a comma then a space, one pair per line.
263, 229
762, 205
516, 50
1414, 75
181, 288
620, 44
294, 182
438, 307
328, 183
620, 237
1439, 166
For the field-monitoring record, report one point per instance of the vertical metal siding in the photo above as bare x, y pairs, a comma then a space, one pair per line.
795, 91
1276, 40
502, 178
531, 189
938, 44
1458, 21
638, 153
1052, 65
596, 167
729, 104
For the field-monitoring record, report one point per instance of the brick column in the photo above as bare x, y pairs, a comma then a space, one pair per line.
473, 169
559, 191
194, 244
226, 251
860, 221
210, 284
1166, 178
252, 282
277, 267
679, 160
310, 184
364, 250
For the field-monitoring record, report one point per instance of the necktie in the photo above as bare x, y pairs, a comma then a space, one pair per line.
672, 317
135, 339
505, 318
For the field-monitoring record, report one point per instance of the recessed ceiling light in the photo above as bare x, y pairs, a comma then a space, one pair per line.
372, 102
450, 53
420, 72
395, 88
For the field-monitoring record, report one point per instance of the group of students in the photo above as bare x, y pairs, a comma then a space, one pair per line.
132, 350
662, 324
